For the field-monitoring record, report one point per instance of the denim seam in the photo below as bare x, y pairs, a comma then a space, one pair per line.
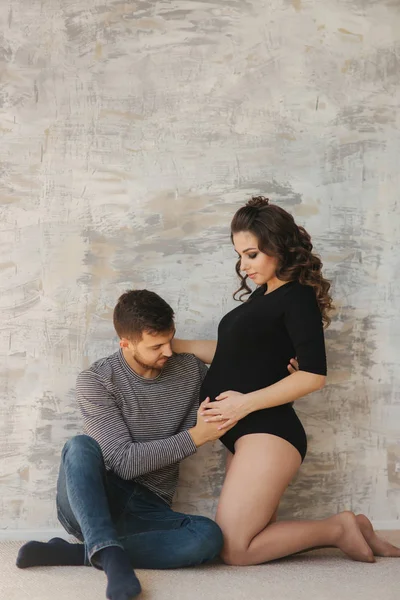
99, 547
125, 510
67, 525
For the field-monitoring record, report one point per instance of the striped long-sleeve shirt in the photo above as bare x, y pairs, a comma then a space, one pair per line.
142, 424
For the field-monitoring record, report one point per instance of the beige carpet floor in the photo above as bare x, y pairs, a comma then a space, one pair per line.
317, 575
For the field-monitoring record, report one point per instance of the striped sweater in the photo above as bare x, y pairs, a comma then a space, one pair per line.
142, 424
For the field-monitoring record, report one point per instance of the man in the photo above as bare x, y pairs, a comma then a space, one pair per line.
116, 483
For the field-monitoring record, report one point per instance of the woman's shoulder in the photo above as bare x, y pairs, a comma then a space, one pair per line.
295, 288
292, 291
301, 296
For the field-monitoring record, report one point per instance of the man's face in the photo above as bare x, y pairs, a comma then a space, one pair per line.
153, 350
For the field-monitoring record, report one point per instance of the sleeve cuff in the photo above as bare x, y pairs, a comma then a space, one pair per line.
188, 446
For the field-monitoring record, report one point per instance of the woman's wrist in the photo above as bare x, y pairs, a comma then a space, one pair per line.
248, 404
253, 401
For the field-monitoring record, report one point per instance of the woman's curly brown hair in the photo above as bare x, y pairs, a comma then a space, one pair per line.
278, 235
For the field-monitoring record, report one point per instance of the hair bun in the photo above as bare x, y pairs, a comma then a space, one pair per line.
258, 202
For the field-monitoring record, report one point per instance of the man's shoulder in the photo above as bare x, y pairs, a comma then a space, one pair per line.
187, 364
184, 358
103, 369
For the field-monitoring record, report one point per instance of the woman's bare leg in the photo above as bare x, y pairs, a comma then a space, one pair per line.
259, 472
378, 546
229, 457
228, 461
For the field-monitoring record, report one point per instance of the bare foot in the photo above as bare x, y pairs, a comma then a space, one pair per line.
350, 539
378, 546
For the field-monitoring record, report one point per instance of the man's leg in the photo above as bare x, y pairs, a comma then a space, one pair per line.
156, 537
84, 511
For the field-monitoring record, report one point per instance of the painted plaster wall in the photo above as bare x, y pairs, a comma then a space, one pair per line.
130, 133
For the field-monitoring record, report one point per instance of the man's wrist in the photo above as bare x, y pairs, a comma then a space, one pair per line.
195, 437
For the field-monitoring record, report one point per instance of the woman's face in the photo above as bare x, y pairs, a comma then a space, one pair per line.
260, 267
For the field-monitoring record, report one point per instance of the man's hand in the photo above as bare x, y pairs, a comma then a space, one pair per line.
293, 366
204, 432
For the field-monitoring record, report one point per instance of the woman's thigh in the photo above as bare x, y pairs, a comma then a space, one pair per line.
229, 457
259, 472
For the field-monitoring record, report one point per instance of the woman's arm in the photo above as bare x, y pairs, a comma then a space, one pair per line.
233, 406
203, 349
286, 390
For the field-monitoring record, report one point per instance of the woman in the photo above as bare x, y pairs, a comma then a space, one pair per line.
248, 380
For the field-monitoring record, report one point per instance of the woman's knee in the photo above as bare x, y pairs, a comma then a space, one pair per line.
208, 540
235, 548
235, 555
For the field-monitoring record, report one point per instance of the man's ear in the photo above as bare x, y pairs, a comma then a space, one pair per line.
123, 343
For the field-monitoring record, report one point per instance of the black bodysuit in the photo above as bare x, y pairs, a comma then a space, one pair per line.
256, 340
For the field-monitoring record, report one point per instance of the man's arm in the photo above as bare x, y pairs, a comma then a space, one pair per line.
203, 349
103, 421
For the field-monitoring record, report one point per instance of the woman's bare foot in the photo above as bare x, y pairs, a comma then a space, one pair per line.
378, 546
350, 539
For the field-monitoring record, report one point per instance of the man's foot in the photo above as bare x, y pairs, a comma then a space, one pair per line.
56, 552
350, 539
378, 546
122, 581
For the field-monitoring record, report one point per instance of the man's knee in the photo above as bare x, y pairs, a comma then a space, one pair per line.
208, 540
78, 446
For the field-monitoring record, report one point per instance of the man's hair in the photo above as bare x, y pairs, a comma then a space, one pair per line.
140, 310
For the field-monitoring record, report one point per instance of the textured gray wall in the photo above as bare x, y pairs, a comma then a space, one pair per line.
130, 133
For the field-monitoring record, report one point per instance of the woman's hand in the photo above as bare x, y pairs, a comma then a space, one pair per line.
229, 407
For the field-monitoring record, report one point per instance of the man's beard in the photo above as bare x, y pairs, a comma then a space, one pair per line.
145, 365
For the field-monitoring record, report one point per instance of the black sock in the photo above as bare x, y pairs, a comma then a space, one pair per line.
122, 581
56, 552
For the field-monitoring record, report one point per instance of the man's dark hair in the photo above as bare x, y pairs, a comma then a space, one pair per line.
140, 310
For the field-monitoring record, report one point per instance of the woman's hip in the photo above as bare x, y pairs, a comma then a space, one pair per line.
281, 421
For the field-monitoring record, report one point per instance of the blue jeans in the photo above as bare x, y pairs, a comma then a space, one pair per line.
101, 509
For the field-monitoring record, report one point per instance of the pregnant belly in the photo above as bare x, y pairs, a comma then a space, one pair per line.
245, 384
